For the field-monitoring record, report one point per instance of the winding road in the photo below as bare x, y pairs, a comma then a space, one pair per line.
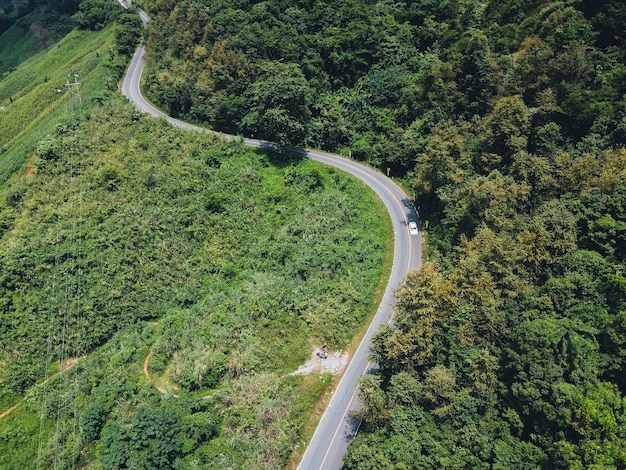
337, 425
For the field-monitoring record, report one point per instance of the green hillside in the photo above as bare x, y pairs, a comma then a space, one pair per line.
159, 286
33, 92
180, 279
16, 45
508, 120
35, 98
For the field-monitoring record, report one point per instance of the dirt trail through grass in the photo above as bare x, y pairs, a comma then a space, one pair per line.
67, 365
145, 367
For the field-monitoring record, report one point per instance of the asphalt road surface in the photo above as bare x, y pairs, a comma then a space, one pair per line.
338, 425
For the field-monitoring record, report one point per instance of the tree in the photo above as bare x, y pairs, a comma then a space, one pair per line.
440, 386
94, 418
445, 163
331, 127
128, 33
480, 368
154, 440
613, 346
608, 236
492, 200
93, 14
478, 73
561, 25
279, 104
375, 410
532, 61
506, 128
551, 234
114, 447
424, 303
543, 364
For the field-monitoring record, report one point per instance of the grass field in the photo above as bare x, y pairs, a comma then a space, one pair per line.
34, 95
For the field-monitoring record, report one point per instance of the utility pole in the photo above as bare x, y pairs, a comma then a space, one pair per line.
76, 103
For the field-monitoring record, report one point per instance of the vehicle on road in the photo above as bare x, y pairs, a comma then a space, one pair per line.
413, 228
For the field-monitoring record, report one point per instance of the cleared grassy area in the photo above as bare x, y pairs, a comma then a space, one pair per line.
35, 98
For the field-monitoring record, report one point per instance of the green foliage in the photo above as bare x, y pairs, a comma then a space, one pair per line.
34, 107
27, 27
507, 118
242, 258
128, 33
373, 400
94, 418
278, 104
154, 441
410, 63
115, 442
16, 45
94, 14
507, 352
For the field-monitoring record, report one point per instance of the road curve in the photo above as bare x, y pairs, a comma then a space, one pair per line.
337, 426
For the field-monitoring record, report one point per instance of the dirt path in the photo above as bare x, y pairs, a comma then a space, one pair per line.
156, 382
67, 365
145, 367
4, 413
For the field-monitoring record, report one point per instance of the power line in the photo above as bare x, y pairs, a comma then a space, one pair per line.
52, 312
76, 103
65, 305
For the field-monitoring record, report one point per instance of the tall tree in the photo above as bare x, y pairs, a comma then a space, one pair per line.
278, 103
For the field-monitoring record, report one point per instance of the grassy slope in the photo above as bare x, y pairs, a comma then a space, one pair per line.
36, 107
263, 200
32, 110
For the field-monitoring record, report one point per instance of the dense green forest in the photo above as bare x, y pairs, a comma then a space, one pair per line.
158, 286
508, 119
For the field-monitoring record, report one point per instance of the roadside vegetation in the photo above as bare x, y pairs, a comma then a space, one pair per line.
224, 265
129, 247
507, 121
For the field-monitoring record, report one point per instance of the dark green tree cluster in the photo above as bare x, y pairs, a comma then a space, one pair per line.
12, 11
381, 77
94, 15
31, 26
508, 348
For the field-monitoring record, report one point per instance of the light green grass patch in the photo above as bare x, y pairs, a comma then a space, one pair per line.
35, 97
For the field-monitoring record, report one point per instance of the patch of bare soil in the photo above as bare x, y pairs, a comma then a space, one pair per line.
161, 384
334, 362
145, 367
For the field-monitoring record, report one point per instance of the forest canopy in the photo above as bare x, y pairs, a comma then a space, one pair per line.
508, 121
